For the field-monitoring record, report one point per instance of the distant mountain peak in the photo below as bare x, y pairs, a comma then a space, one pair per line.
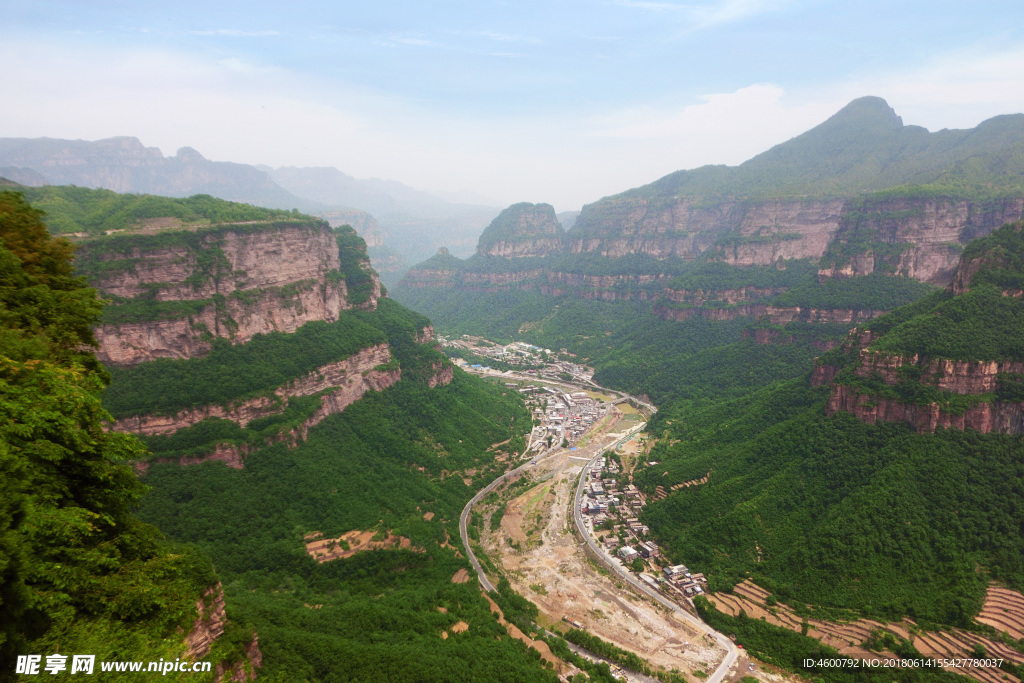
522, 229
866, 110
189, 155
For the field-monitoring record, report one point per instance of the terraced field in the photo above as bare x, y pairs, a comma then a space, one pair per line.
1003, 609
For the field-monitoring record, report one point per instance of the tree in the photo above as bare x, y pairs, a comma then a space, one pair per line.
66, 494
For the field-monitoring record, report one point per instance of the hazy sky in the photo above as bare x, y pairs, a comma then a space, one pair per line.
561, 101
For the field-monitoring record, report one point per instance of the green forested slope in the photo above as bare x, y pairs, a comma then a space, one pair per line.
863, 147
382, 465
71, 209
838, 513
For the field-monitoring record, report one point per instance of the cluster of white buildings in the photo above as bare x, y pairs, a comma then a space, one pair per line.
563, 416
605, 501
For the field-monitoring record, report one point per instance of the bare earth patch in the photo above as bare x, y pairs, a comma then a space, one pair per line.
326, 549
461, 576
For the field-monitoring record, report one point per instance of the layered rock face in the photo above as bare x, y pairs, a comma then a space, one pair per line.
762, 233
340, 384
208, 627
746, 233
699, 297
930, 230
986, 417
976, 379
351, 377
777, 315
617, 226
241, 282
522, 230
937, 392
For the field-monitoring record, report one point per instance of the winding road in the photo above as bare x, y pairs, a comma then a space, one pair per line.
732, 653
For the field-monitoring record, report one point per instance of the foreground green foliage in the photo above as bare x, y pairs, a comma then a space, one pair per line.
77, 569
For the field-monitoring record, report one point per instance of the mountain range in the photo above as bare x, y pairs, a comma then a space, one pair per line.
397, 220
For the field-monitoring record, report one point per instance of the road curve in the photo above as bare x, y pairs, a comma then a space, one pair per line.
731, 652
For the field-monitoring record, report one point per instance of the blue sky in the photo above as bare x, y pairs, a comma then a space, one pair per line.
561, 101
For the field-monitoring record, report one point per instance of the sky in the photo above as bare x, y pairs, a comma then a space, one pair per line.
563, 101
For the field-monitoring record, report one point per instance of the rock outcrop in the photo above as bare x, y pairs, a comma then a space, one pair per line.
208, 626
347, 379
522, 230
777, 315
917, 236
243, 670
442, 374
232, 282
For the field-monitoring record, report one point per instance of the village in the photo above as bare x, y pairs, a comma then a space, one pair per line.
524, 358
611, 515
573, 420
561, 416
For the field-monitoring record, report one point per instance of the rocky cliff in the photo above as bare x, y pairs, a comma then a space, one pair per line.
522, 230
777, 315
699, 297
208, 627
743, 232
956, 362
985, 416
977, 382
916, 235
174, 291
861, 192
345, 380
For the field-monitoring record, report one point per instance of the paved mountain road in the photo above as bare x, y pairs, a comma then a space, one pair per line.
732, 652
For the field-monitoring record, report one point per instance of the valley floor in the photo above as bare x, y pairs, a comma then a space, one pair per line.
545, 562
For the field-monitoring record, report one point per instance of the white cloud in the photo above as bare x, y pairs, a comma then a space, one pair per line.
954, 90
729, 11
411, 40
